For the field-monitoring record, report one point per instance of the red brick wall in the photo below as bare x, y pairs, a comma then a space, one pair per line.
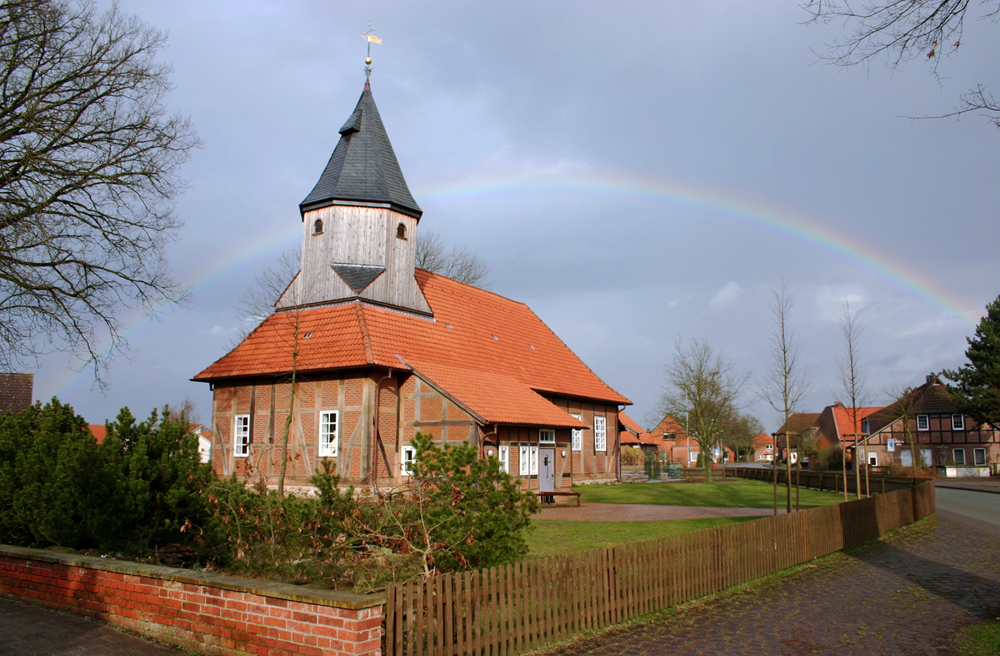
215, 615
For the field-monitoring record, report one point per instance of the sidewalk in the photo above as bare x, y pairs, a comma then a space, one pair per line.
28, 630
908, 595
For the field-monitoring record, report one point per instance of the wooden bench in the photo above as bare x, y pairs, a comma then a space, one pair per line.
543, 495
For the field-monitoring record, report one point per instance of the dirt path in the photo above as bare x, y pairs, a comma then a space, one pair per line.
908, 594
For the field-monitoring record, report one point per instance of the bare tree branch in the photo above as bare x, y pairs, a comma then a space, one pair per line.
900, 31
459, 264
89, 171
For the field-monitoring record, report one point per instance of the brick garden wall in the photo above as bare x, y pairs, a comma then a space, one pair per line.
214, 614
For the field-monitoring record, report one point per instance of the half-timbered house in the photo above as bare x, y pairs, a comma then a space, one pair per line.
364, 350
942, 435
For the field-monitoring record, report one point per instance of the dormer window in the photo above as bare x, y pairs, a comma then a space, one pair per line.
401, 231
318, 227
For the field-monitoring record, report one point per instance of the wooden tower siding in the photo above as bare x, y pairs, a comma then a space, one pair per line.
358, 235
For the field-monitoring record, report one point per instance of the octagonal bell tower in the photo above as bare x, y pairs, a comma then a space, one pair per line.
359, 223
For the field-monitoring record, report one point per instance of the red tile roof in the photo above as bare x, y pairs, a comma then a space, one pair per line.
490, 353
634, 429
99, 431
628, 438
842, 416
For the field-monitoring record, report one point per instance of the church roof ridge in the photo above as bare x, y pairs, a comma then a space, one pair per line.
363, 168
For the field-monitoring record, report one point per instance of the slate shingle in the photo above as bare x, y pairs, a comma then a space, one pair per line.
363, 167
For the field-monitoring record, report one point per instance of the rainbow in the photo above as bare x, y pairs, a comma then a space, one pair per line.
796, 228
779, 222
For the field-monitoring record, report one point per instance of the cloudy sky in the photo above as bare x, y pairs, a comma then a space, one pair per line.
636, 172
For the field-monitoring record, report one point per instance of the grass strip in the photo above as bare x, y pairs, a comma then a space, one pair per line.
561, 537
731, 493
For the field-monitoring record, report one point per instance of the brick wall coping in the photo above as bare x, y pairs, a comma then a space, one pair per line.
333, 598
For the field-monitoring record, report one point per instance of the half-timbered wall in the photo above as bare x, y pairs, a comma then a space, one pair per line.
267, 402
941, 439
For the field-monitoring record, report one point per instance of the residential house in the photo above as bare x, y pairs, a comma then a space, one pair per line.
364, 350
631, 434
801, 428
680, 447
942, 434
763, 448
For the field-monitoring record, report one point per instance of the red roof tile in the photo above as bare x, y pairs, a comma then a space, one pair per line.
477, 341
99, 431
634, 428
496, 398
628, 438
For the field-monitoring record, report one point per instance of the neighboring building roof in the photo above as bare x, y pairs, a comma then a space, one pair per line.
490, 353
668, 425
799, 422
15, 392
933, 397
99, 431
634, 430
363, 167
762, 440
834, 424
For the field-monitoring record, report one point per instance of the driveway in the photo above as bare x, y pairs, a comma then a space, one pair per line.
906, 594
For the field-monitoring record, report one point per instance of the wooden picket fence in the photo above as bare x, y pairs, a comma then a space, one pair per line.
524, 605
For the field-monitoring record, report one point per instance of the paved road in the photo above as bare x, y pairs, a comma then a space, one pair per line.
979, 509
27, 630
908, 594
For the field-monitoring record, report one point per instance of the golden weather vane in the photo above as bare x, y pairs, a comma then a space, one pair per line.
370, 38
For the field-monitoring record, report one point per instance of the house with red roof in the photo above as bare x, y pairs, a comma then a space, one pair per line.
941, 434
762, 448
680, 447
364, 350
839, 425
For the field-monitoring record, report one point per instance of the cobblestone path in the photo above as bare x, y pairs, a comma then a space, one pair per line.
907, 594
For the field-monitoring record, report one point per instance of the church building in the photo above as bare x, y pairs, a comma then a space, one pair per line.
364, 350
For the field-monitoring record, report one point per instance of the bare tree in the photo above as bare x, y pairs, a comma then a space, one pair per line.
899, 31
257, 304
89, 171
854, 383
904, 409
705, 387
738, 433
458, 264
785, 382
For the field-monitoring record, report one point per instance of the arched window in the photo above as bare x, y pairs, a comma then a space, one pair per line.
318, 227
401, 231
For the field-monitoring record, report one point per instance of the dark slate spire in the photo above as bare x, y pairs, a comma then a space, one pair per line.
363, 168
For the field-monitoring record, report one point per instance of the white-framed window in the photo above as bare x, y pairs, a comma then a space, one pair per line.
504, 453
979, 457
958, 455
692, 456
873, 460
407, 457
328, 434
528, 458
577, 435
923, 422
600, 434
546, 436
958, 422
241, 436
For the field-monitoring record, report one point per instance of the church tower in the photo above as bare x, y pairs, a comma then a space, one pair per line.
359, 224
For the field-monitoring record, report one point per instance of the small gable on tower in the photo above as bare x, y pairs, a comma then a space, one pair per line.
359, 223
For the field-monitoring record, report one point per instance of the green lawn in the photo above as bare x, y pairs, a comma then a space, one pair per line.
552, 538
731, 493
